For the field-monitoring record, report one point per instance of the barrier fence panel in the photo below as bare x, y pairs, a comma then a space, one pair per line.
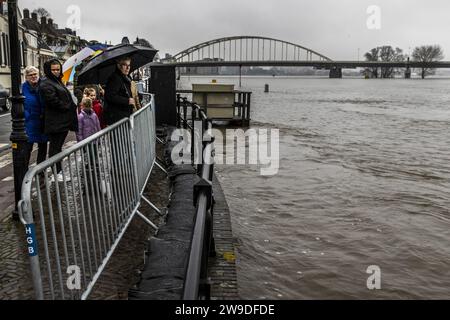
144, 130
77, 205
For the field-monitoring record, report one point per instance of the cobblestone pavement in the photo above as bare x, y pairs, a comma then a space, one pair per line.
121, 273
15, 282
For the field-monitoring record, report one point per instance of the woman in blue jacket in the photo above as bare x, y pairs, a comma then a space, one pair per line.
34, 115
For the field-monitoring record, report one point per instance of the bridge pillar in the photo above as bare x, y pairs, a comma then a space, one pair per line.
408, 73
367, 73
335, 73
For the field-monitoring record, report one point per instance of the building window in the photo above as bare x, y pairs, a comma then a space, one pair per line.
8, 52
1, 50
4, 50
23, 51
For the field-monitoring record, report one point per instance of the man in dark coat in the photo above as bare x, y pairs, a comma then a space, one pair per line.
60, 109
119, 103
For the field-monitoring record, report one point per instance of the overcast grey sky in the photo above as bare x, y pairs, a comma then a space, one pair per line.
335, 28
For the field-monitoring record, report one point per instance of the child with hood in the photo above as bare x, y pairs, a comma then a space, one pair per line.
88, 122
96, 105
88, 125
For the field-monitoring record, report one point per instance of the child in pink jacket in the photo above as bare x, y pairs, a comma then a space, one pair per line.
88, 122
88, 125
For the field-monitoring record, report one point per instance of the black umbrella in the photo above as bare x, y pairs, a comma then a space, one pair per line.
98, 70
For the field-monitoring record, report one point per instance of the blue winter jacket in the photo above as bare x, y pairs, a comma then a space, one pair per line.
34, 114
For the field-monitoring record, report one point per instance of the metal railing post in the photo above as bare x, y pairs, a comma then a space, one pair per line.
133, 148
193, 119
249, 106
185, 113
178, 110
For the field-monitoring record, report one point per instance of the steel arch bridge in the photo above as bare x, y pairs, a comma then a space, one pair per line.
248, 49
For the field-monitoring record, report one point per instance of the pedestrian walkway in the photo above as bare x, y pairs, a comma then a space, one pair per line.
15, 277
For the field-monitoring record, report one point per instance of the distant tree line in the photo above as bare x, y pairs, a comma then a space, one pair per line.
42, 12
426, 53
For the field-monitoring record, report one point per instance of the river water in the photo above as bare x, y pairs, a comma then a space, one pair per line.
364, 180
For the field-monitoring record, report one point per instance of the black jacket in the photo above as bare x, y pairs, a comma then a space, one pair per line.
117, 98
60, 110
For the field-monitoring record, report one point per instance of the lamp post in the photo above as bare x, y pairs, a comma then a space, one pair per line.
18, 136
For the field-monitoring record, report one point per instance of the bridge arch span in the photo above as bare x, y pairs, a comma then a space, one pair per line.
248, 48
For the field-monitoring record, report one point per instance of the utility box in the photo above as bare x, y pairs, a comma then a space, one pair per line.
163, 86
217, 99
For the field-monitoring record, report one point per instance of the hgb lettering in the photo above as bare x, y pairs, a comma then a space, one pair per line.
30, 231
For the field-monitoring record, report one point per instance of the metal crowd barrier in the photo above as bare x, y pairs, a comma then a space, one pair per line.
74, 224
144, 129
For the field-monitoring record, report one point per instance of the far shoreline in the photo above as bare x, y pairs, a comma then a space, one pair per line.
311, 77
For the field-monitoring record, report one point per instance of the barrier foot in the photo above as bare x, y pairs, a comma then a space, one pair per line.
161, 168
147, 221
153, 206
160, 141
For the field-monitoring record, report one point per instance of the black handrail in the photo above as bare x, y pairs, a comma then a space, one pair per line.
202, 245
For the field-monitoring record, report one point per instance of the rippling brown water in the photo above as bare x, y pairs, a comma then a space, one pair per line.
364, 180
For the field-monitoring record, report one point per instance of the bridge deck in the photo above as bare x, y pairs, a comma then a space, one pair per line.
316, 64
